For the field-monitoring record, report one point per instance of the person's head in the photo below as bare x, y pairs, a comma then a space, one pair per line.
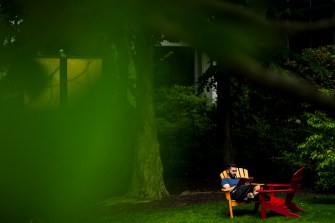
232, 170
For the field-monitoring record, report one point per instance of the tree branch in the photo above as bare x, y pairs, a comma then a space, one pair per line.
290, 85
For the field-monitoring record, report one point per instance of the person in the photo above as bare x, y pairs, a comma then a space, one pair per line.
231, 182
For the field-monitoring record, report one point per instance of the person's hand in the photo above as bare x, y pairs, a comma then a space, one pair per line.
250, 195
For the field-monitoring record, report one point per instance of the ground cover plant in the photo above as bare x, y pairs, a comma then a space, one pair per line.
212, 207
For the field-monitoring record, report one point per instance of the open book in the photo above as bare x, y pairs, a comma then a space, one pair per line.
243, 181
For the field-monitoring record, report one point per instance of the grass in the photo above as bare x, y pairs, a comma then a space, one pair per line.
319, 208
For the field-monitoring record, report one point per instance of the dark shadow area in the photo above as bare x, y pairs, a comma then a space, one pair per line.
173, 65
245, 210
322, 199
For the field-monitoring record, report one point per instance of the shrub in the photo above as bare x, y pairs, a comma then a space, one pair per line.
183, 126
319, 150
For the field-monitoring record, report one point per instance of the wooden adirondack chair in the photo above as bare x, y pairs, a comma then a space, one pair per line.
232, 203
276, 204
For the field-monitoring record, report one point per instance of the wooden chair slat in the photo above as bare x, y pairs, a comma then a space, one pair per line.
225, 174
222, 175
246, 174
239, 172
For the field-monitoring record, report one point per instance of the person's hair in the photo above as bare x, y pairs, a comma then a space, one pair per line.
230, 165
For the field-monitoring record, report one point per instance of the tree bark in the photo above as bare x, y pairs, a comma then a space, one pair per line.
147, 181
224, 115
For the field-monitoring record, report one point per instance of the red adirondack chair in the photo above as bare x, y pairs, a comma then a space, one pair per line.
272, 202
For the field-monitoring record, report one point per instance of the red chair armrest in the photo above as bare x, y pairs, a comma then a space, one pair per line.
277, 185
275, 191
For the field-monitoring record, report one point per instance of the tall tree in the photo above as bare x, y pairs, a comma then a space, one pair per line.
147, 180
219, 79
224, 110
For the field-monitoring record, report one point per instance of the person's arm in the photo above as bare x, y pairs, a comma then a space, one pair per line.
226, 186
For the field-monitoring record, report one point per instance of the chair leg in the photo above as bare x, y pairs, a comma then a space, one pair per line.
284, 211
297, 208
288, 213
263, 211
231, 211
230, 208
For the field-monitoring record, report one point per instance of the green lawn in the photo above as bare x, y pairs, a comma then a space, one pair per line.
319, 208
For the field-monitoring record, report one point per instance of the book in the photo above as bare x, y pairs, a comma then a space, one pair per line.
243, 180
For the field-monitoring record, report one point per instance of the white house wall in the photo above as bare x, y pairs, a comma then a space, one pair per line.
201, 64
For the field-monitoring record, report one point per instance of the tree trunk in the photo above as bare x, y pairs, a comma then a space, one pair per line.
147, 180
224, 115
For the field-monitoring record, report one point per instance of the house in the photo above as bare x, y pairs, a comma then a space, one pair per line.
180, 63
